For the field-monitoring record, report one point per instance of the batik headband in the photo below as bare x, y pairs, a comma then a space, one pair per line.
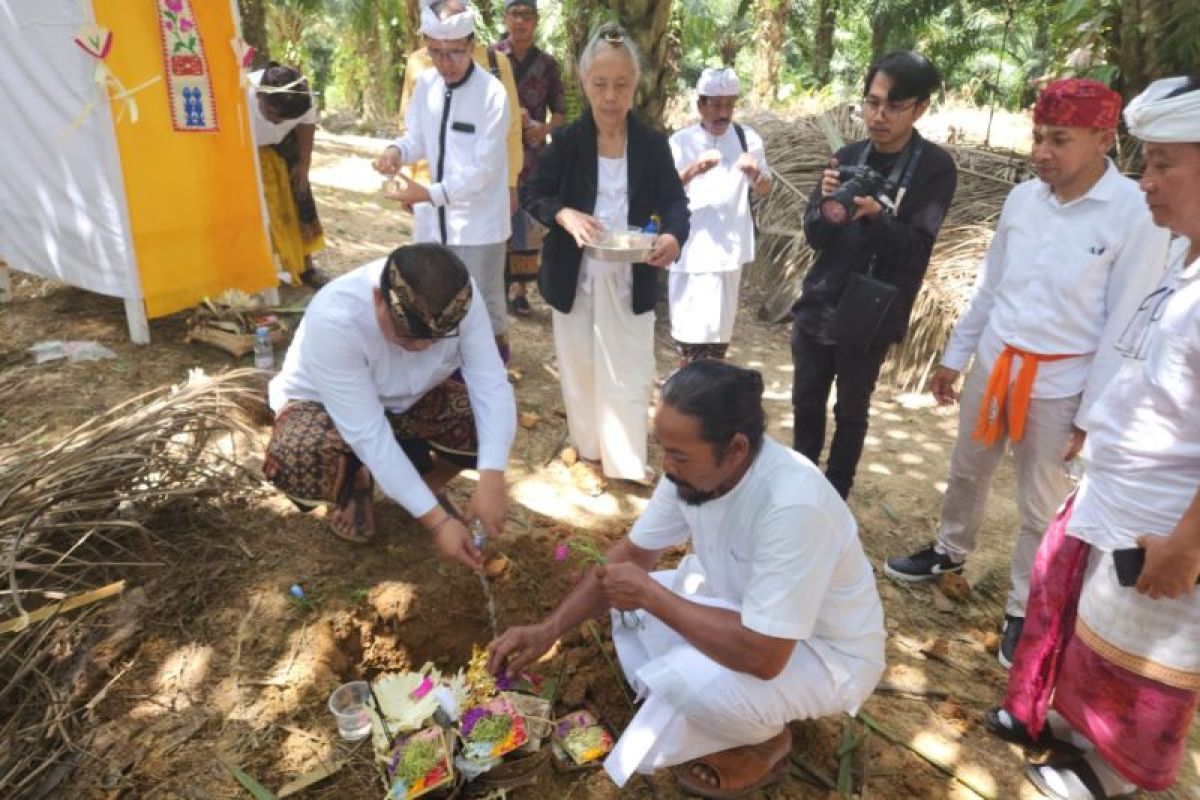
410, 313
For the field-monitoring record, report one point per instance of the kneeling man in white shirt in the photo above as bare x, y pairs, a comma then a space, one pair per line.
773, 617
366, 395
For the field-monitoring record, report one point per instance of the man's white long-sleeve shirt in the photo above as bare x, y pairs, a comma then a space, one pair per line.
340, 358
461, 131
1061, 278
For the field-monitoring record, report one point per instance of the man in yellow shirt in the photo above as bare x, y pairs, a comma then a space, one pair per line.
501, 69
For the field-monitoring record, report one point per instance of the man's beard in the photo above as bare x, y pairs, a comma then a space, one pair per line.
688, 493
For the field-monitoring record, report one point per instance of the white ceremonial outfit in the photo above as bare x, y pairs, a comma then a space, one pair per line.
605, 352
1143, 455
461, 131
267, 132
704, 282
1058, 279
340, 358
783, 549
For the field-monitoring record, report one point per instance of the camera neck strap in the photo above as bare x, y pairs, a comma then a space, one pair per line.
902, 171
900, 177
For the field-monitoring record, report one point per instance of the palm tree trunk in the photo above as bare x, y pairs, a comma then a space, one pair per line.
651, 25
826, 14
770, 32
254, 30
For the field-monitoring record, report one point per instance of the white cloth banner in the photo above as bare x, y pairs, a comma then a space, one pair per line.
62, 198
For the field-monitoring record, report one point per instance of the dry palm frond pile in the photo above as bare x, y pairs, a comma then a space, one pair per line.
73, 519
797, 152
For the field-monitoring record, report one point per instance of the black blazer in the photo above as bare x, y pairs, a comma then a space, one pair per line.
566, 176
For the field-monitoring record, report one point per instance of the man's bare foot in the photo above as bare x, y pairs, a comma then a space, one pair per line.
355, 521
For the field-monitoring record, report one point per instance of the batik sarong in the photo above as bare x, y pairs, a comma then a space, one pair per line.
308, 459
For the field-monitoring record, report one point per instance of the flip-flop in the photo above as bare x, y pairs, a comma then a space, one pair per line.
362, 497
1013, 730
731, 766
1075, 772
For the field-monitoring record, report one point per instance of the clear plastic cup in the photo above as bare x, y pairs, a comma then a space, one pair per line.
391, 186
348, 703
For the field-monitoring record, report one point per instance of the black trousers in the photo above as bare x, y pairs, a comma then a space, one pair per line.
817, 367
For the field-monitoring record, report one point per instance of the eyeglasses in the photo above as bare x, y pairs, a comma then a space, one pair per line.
521, 14
876, 106
459, 54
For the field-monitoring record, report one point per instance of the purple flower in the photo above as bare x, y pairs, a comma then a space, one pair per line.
505, 682
425, 688
561, 552
470, 717
175, 5
186, 24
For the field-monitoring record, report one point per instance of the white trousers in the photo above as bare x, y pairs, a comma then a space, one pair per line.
694, 706
485, 265
703, 305
606, 368
1042, 480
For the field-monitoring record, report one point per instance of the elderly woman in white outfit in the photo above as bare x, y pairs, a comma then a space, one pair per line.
607, 170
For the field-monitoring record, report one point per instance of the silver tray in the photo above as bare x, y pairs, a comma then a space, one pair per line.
631, 255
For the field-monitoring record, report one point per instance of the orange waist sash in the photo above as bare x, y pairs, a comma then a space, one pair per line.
1000, 402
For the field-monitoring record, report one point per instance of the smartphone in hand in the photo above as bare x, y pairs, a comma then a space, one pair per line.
1129, 563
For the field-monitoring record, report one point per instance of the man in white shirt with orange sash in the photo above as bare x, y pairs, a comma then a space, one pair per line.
1064, 269
1107, 675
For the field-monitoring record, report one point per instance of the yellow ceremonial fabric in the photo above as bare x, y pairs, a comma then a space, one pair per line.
419, 61
282, 213
193, 197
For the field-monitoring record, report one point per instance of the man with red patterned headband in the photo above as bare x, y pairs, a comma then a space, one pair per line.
1062, 272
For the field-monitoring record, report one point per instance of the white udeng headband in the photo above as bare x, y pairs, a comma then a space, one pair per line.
1152, 116
718, 83
455, 26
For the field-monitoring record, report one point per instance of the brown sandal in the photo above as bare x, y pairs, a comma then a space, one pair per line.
364, 516
739, 770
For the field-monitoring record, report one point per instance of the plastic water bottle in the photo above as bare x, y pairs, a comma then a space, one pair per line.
264, 353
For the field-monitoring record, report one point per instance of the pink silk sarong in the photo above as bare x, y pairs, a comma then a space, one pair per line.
1139, 726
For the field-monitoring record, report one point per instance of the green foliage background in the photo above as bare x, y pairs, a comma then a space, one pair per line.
989, 51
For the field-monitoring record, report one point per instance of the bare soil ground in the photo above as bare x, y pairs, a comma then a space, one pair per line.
225, 663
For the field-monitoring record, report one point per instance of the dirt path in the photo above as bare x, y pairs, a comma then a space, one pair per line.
226, 663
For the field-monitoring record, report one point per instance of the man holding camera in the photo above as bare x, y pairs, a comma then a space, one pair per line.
873, 219
1061, 279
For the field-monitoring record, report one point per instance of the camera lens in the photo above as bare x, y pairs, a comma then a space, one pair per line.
834, 211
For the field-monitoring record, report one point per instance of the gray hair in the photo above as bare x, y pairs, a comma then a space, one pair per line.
610, 34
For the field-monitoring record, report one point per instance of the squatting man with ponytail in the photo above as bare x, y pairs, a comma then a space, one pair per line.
774, 616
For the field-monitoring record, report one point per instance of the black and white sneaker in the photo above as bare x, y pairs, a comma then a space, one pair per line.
923, 565
1010, 636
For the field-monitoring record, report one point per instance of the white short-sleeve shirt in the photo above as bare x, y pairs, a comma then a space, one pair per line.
267, 132
784, 547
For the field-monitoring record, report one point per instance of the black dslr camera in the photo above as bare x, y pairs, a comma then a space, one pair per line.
856, 180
